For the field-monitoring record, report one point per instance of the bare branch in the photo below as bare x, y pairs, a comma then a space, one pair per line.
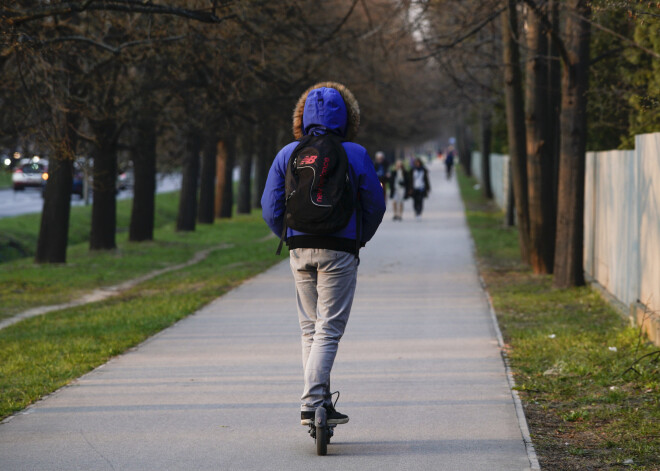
632, 367
83, 39
606, 54
142, 42
465, 36
339, 26
619, 36
12, 18
105, 46
643, 13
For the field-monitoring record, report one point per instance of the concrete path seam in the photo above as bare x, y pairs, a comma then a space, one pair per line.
101, 294
520, 412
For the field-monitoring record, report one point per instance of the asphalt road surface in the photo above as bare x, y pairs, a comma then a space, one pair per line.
419, 370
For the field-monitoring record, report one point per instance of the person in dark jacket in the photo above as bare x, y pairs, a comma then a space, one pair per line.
450, 153
324, 267
382, 170
421, 187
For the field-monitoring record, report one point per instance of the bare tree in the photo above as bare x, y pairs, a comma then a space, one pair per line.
516, 123
486, 142
190, 175
93, 35
53, 232
144, 186
540, 164
570, 208
224, 192
205, 211
104, 206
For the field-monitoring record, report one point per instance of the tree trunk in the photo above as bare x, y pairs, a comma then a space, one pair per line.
188, 200
554, 103
224, 185
486, 140
515, 115
221, 160
144, 186
206, 214
570, 211
54, 229
104, 204
510, 201
262, 162
463, 143
540, 167
245, 183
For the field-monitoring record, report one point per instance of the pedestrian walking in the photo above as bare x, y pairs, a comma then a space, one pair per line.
383, 171
399, 188
420, 186
450, 155
324, 262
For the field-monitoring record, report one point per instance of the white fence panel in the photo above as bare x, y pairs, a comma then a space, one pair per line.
609, 222
499, 176
621, 218
648, 148
622, 221
476, 166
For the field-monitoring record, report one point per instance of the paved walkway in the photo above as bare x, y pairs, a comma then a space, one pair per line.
419, 369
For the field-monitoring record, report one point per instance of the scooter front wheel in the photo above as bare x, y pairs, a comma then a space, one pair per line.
322, 439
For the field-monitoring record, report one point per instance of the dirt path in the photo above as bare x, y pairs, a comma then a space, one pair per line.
106, 292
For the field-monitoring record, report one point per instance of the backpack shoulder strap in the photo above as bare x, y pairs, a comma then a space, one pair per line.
301, 142
358, 228
283, 236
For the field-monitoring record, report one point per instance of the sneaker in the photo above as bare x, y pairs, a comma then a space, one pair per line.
335, 417
307, 417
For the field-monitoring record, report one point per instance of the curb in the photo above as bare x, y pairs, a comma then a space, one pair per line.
520, 412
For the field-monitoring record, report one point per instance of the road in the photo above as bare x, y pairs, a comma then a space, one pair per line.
419, 370
14, 203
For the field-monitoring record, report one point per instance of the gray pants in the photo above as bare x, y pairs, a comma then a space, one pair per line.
325, 285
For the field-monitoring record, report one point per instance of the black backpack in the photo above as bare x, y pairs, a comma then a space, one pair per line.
318, 192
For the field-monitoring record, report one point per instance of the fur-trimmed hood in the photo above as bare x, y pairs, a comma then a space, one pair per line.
332, 106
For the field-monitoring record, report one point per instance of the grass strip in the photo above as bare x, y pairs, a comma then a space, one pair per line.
19, 234
5, 179
24, 285
570, 353
44, 353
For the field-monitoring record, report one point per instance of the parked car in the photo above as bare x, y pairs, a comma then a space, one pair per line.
77, 187
29, 173
125, 180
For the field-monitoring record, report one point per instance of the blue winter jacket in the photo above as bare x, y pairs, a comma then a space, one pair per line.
325, 111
